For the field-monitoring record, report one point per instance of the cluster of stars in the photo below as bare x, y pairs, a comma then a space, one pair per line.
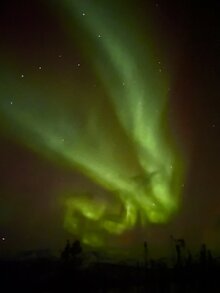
84, 14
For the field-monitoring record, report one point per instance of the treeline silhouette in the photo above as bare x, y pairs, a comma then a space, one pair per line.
183, 273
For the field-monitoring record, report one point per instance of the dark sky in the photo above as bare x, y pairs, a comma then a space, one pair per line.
39, 42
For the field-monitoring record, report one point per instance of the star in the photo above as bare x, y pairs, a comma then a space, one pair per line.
39, 67
22, 76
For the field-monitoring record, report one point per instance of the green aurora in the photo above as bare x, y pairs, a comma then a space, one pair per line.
119, 136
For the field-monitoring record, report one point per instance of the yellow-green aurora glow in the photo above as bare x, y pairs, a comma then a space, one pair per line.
119, 139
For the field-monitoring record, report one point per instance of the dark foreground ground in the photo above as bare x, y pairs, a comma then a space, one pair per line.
41, 275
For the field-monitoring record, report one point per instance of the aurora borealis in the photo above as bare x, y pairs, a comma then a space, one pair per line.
89, 94
138, 92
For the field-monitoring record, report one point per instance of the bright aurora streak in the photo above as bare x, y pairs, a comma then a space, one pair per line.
131, 154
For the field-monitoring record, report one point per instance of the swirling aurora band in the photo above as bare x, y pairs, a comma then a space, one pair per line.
132, 155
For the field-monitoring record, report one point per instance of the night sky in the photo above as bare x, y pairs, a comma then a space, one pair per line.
109, 123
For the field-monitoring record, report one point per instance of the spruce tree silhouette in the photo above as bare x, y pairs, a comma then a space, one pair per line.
65, 254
